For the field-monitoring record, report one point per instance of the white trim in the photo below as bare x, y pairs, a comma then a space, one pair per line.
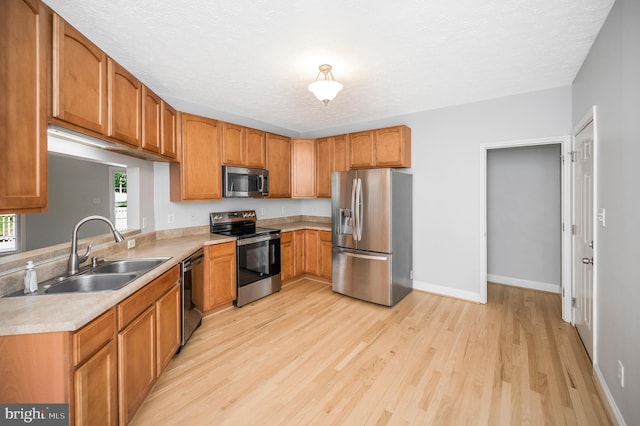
565, 144
590, 116
447, 291
607, 394
519, 282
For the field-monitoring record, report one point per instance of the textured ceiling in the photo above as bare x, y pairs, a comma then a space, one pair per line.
255, 58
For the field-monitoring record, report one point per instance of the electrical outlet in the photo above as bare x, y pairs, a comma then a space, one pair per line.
193, 218
602, 217
170, 218
621, 373
284, 209
131, 244
262, 211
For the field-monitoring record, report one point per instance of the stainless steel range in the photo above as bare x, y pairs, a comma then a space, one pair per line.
257, 254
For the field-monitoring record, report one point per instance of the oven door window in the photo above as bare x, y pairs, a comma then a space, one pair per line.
257, 261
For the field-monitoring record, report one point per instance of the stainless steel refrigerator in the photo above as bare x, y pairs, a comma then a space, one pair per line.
372, 234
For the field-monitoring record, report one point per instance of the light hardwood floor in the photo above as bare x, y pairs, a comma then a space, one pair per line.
310, 356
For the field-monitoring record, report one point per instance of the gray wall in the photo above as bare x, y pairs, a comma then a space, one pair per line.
523, 216
73, 185
610, 79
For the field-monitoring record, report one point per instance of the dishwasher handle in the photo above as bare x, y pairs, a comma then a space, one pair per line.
193, 260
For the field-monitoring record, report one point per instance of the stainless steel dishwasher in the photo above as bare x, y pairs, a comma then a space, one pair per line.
192, 274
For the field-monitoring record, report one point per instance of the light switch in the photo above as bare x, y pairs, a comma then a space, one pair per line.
602, 216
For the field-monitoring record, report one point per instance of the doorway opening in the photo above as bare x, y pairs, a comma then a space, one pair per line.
519, 224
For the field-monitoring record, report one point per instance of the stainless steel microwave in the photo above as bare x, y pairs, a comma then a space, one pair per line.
242, 182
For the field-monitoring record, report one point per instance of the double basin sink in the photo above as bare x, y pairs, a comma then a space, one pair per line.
106, 275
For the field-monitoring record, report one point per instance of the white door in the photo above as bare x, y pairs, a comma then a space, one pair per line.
583, 238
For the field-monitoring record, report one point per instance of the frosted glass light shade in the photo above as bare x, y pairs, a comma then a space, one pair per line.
327, 89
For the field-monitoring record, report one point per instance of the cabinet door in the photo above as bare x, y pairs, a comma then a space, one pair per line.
287, 269
298, 252
325, 254
79, 79
311, 244
137, 363
279, 166
393, 147
96, 388
168, 330
256, 155
23, 123
323, 167
198, 176
340, 153
361, 150
303, 164
123, 104
168, 131
222, 273
151, 120
233, 145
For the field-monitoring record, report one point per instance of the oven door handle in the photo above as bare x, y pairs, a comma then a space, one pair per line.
261, 238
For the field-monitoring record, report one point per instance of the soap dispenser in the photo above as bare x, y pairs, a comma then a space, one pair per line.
30, 278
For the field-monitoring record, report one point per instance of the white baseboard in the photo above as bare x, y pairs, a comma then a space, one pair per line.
518, 282
607, 394
446, 291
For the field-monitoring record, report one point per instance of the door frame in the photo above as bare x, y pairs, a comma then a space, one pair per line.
590, 116
565, 188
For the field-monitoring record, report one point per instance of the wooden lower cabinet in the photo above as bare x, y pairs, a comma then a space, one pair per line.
325, 254
96, 388
219, 285
287, 270
168, 329
137, 362
149, 335
306, 251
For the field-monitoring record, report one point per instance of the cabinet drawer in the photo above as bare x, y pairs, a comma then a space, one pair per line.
93, 336
135, 304
223, 249
286, 237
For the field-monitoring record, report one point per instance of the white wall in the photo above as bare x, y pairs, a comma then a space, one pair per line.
610, 79
524, 216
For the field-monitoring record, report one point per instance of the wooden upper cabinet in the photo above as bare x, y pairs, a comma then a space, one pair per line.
23, 123
362, 150
242, 146
124, 109
279, 165
234, 148
303, 166
340, 153
79, 79
151, 121
324, 161
198, 176
256, 149
169, 131
388, 147
393, 147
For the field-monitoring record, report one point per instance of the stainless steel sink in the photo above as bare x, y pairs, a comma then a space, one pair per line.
118, 266
91, 282
105, 275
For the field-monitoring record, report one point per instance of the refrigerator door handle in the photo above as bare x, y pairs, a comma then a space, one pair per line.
353, 209
360, 209
365, 256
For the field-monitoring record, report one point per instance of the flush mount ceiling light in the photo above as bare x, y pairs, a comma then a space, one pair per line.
327, 88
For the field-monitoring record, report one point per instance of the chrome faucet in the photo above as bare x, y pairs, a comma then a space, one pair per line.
74, 259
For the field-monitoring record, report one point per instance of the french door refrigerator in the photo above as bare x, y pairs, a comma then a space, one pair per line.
372, 234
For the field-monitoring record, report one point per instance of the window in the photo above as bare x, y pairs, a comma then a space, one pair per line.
119, 180
8, 233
